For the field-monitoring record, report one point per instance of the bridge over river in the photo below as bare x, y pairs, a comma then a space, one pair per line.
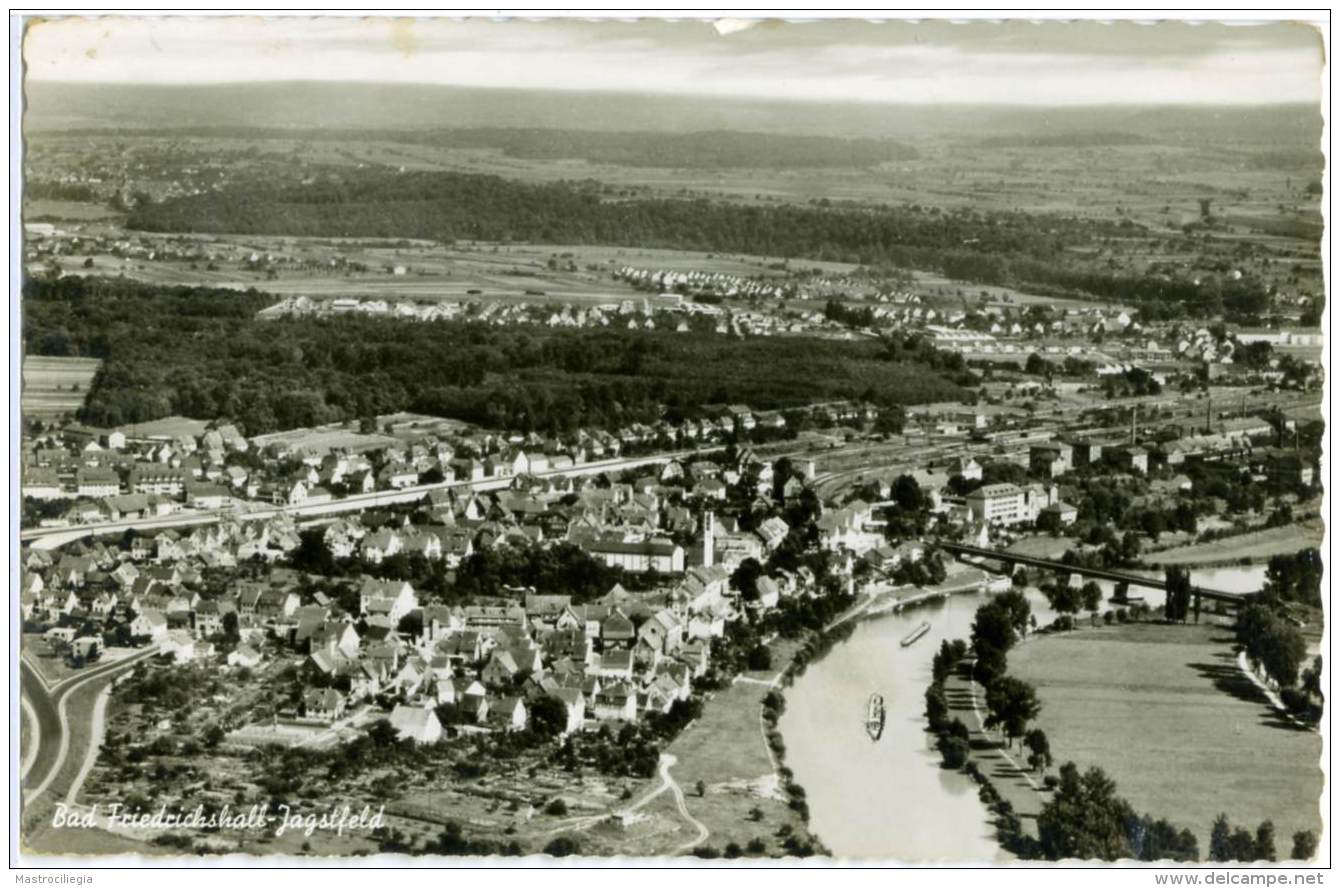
1234, 599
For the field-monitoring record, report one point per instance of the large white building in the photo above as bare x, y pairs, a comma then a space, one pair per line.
1008, 503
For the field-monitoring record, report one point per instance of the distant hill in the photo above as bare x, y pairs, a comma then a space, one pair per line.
714, 149
308, 105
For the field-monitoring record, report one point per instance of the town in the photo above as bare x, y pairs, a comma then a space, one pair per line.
627, 491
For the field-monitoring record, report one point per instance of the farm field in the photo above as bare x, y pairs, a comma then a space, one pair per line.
55, 386
1166, 713
458, 272
66, 210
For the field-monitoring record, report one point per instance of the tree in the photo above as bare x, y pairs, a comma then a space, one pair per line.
1304, 845
1177, 599
1085, 818
890, 420
937, 707
1015, 603
562, 846
992, 637
1220, 834
1241, 846
1152, 523
1092, 594
547, 718
1272, 641
1039, 749
1037, 365
1049, 521
992, 628
1011, 704
745, 579
906, 492
1159, 840
1063, 597
1130, 545
1265, 841
955, 751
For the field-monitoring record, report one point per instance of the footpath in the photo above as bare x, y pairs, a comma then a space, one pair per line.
1006, 769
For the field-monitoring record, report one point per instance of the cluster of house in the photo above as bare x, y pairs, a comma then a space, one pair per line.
627, 524
618, 658
159, 468
761, 287
44, 240
150, 584
715, 283
667, 312
121, 473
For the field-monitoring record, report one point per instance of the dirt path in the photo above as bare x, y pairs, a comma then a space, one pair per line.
668, 762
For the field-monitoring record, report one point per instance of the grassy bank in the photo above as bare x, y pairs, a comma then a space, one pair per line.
1256, 546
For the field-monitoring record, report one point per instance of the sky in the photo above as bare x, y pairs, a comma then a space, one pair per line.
1051, 63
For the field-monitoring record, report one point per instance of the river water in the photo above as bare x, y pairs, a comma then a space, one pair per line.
891, 799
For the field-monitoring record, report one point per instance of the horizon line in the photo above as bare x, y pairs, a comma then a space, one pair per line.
671, 94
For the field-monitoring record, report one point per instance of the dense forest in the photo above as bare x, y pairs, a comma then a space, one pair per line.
1006, 248
201, 353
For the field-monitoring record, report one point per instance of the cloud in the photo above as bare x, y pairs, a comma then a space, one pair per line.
928, 61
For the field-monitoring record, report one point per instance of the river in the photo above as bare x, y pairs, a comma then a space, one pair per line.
891, 799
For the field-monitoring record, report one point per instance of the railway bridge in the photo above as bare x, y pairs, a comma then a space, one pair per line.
1233, 599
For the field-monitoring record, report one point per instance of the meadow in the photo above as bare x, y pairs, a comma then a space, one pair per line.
1165, 712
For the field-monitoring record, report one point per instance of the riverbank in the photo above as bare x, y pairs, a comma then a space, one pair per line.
966, 579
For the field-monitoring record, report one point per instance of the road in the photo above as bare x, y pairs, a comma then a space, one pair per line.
48, 703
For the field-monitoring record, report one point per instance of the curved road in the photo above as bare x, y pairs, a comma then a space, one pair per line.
48, 703
30, 736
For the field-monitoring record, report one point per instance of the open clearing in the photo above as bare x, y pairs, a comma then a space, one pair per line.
725, 749
1165, 712
55, 386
